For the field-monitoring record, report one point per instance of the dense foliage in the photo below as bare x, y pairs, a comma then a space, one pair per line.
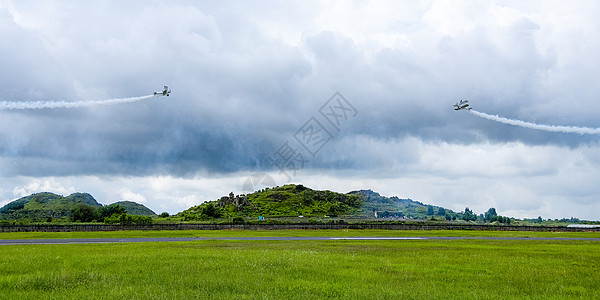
136, 209
77, 207
42, 206
126, 219
286, 204
88, 213
293, 202
286, 201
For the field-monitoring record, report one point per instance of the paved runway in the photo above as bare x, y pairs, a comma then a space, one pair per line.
191, 239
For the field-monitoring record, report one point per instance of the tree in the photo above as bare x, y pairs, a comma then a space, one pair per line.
125, 219
441, 211
490, 215
210, 211
164, 215
336, 208
430, 210
468, 215
238, 220
83, 213
109, 210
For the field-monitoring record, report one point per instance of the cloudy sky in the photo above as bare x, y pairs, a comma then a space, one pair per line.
338, 95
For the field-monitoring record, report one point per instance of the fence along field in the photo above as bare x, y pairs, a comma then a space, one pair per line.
109, 227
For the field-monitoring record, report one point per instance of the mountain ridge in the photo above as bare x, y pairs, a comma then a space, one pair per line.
299, 201
134, 208
46, 205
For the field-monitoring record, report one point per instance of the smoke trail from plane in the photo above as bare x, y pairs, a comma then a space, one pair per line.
9, 105
551, 128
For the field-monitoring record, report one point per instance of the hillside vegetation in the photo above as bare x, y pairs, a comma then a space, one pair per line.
81, 207
288, 203
300, 201
134, 208
45, 205
293, 202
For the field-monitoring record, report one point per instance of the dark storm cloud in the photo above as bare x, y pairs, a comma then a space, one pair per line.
239, 91
226, 104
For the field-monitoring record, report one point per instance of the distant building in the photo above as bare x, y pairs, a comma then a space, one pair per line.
582, 226
392, 215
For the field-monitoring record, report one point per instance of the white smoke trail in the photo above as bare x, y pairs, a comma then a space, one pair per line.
5, 105
551, 128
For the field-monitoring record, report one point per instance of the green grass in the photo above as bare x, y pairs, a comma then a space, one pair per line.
293, 233
462, 269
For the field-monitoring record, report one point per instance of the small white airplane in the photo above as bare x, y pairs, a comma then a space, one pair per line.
463, 104
165, 92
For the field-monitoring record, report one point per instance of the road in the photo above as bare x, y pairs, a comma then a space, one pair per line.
192, 239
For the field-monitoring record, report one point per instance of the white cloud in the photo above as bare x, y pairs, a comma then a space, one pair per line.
517, 179
128, 195
43, 185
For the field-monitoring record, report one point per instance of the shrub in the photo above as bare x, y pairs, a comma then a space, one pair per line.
238, 220
125, 219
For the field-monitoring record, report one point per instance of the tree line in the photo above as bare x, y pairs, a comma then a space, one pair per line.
110, 214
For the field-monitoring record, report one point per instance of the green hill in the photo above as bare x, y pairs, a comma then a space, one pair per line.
286, 201
378, 206
298, 200
134, 208
40, 206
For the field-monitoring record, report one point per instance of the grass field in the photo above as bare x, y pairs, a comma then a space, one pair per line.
294, 233
458, 269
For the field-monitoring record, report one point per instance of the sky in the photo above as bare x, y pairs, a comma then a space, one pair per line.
334, 95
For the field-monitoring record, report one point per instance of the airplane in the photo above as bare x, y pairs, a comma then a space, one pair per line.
165, 92
463, 104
